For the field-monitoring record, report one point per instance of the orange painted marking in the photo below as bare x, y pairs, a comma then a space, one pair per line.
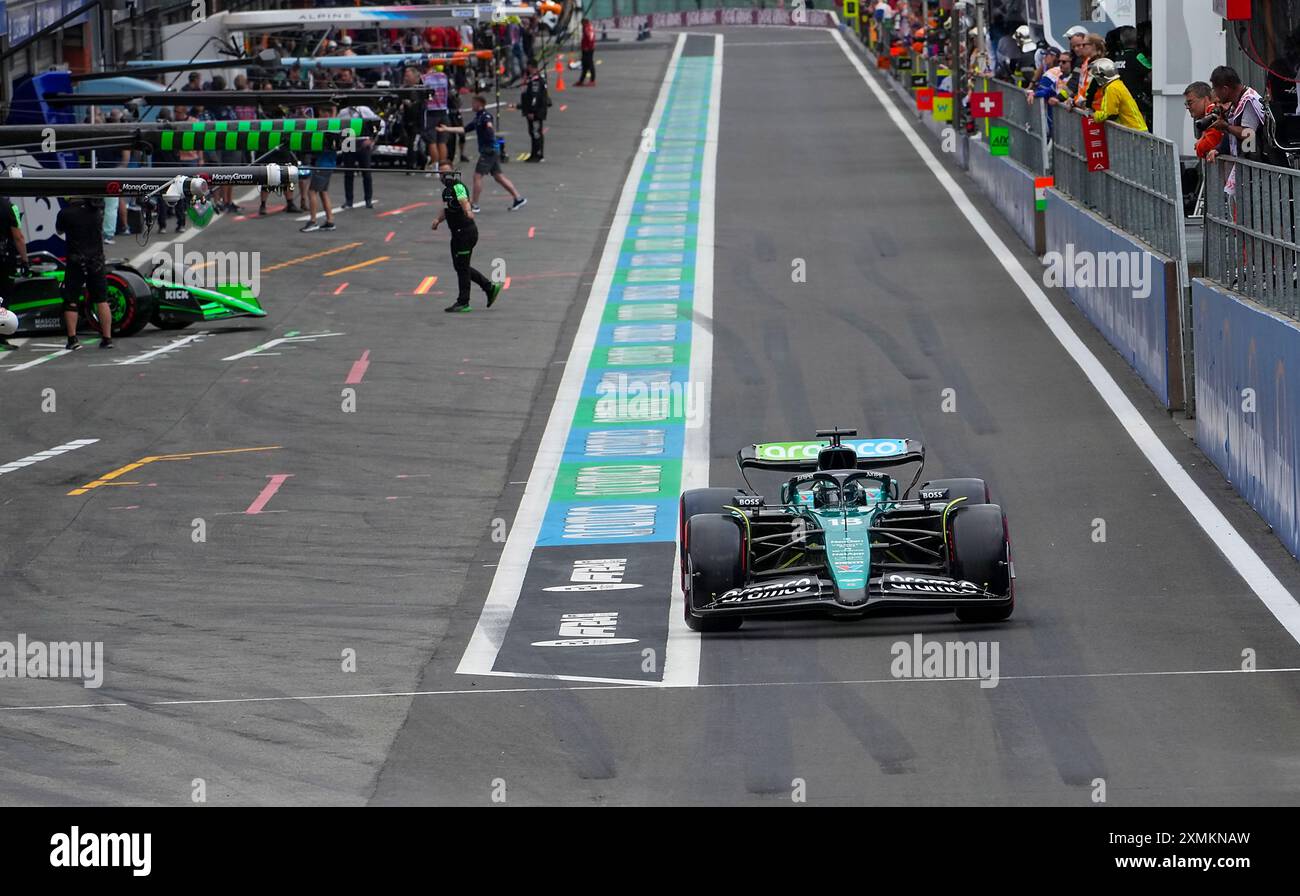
398, 211
425, 285
357, 266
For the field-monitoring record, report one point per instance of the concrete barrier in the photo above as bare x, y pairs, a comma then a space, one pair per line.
1141, 323
1009, 187
1248, 409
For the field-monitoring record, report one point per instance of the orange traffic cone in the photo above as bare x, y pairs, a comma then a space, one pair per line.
559, 84
559, 63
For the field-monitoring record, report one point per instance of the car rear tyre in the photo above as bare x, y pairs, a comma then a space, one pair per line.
975, 491
131, 302
714, 564
979, 553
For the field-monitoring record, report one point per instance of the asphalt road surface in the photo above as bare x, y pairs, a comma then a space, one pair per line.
381, 533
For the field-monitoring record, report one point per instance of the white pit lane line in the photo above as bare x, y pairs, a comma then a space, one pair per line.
1239, 554
963, 681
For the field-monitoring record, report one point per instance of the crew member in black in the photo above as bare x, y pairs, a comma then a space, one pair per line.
82, 223
464, 236
533, 103
13, 255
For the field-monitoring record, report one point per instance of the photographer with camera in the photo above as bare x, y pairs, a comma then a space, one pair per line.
1240, 109
1205, 113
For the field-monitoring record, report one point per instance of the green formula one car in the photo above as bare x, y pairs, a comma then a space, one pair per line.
136, 300
844, 539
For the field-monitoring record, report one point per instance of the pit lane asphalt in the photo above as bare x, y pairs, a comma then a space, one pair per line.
902, 302
365, 548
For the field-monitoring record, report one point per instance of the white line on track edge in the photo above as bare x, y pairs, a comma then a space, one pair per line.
1239, 554
682, 653
503, 596
641, 686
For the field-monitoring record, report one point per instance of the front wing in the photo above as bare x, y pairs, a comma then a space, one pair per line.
892, 590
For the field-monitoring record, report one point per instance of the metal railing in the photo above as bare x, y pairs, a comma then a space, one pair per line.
1027, 123
1250, 231
1140, 193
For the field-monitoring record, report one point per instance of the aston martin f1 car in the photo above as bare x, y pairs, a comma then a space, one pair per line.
135, 300
844, 538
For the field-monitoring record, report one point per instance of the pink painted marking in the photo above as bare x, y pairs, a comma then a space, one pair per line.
268, 492
531, 231
342, 286
389, 238
505, 285
358, 369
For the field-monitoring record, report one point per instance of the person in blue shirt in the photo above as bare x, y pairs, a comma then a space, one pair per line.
489, 157
318, 187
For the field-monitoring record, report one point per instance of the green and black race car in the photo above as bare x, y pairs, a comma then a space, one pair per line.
844, 539
136, 300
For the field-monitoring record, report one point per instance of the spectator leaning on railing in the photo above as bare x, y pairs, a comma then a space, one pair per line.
1089, 50
1117, 104
1199, 100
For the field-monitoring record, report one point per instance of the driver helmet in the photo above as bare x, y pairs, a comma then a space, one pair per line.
826, 494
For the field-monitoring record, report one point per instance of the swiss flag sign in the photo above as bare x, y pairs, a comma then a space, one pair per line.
986, 105
1095, 150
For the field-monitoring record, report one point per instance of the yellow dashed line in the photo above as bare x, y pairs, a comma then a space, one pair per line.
107, 478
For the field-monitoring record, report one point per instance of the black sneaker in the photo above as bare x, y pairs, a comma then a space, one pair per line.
105, 343
369, 204
493, 293
328, 225
261, 210
309, 227
73, 344
518, 203
475, 209
457, 306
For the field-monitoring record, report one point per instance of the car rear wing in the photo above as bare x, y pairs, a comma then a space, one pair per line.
801, 457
